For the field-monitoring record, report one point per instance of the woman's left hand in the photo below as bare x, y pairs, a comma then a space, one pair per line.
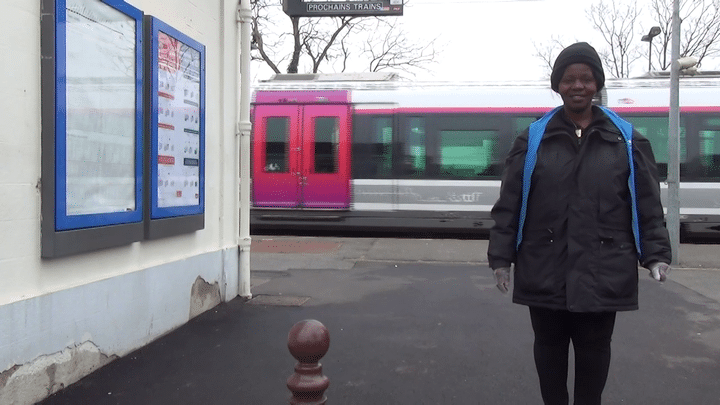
659, 271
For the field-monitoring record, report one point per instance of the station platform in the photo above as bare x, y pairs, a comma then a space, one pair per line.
699, 267
411, 321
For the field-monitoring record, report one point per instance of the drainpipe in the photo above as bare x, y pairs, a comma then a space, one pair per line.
244, 21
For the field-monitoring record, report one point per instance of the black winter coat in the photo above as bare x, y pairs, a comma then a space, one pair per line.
578, 251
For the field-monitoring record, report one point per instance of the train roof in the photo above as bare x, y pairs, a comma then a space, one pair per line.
383, 90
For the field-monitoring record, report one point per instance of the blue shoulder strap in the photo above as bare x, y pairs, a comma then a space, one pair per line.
626, 129
535, 134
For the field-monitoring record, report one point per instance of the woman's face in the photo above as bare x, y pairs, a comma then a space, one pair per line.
577, 87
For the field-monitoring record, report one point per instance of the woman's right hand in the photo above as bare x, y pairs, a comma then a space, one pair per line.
502, 276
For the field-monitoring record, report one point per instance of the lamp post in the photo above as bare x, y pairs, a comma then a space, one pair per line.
673, 176
654, 31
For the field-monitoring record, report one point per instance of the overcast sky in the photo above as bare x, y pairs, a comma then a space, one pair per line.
492, 40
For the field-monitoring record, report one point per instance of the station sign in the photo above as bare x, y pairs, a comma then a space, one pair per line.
331, 8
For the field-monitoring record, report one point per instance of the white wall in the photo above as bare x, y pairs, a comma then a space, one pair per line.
52, 310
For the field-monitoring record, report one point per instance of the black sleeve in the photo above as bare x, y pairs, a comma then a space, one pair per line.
654, 237
505, 212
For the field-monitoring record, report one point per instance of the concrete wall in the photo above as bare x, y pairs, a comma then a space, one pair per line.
63, 318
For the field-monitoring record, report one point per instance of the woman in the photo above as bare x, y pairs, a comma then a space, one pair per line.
579, 206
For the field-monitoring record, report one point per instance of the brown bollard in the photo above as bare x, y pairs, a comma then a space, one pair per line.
308, 342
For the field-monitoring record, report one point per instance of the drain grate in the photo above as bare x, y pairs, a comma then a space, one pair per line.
279, 300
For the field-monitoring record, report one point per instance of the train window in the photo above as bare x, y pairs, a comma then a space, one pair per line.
467, 154
415, 146
277, 144
381, 153
521, 123
326, 144
372, 147
655, 129
710, 152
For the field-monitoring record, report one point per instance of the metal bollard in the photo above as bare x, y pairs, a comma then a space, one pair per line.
308, 342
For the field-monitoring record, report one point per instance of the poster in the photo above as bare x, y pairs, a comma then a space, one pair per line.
101, 115
178, 123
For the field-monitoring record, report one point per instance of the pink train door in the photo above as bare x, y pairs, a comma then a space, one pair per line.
301, 156
325, 157
276, 161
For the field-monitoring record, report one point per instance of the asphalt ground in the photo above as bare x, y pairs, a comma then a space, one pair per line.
411, 322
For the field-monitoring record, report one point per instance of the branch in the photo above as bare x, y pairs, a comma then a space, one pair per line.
258, 40
700, 29
616, 24
389, 48
547, 52
344, 23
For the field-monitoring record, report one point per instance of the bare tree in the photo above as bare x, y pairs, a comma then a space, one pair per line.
264, 42
616, 23
388, 47
700, 30
548, 51
332, 42
316, 43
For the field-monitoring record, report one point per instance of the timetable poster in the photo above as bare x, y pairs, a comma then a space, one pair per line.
179, 121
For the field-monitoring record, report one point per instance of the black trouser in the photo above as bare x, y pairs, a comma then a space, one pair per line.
591, 334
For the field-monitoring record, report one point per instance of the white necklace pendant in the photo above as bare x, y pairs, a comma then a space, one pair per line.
578, 132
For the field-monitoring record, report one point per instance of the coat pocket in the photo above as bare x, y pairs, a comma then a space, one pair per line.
615, 267
536, 271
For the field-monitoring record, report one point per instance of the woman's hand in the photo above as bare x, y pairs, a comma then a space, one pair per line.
659, 271
502, 276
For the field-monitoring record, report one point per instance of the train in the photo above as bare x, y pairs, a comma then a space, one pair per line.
374, 152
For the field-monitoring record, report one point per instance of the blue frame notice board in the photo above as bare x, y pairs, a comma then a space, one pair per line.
98, 119
176, 129
123, 127
92, 125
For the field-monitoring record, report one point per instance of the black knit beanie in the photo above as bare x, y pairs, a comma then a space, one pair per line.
580, 52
